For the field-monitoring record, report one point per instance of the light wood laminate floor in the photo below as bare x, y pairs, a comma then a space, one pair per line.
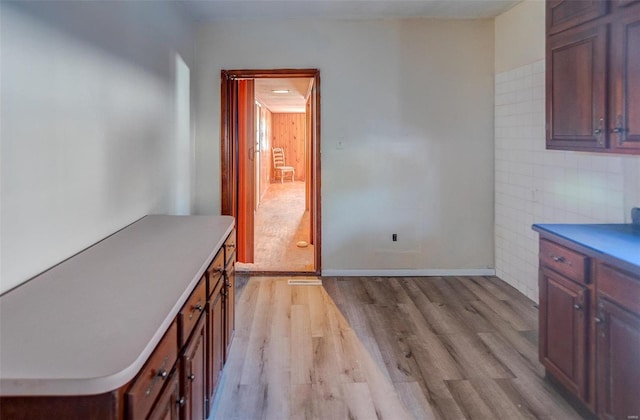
386, 348
280, 223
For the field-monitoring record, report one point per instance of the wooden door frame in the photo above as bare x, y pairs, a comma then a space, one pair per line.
228, 151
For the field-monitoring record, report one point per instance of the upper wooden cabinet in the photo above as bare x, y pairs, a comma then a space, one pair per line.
565, 14
576, 89
625, 108
593, 76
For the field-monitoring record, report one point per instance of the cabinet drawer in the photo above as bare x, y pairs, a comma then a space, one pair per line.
230, 246
621, 287
191, 311
147, 386
214, 272
565, 261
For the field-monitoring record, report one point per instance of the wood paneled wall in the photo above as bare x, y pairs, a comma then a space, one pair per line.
289, 132
266, 163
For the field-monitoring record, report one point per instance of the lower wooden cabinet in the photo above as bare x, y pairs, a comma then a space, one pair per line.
563, 330
618, 350
194, 374
229, 307
590, 330
169, 402
179, 378
215, 343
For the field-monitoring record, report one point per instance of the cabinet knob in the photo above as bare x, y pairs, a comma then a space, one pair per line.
191, 377
557, 259
162, 374
198, 308
577, 307
598, 131
180, 401
598, 320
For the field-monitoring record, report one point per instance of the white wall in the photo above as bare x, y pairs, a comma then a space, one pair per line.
413, 101
88, 124
534, 185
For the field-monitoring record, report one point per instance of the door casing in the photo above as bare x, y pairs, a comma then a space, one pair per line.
229, 149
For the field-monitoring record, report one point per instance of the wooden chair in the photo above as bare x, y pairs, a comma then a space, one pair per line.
279, 165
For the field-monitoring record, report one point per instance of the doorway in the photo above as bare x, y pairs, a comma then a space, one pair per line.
277, 220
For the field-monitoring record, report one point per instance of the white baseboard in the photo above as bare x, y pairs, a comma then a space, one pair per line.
410, 272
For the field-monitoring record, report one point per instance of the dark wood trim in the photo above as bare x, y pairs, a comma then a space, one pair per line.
228, 155
228, 177
274, 74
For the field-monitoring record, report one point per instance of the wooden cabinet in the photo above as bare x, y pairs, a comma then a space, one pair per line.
618, 342
625, 68
169, 402
590, 326
229, 297
593, 76
194, 362
576, 91
565, 14
563, 330
170, 361
216, 347
151, 380
618, 347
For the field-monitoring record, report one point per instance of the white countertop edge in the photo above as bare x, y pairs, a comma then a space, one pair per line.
20, 387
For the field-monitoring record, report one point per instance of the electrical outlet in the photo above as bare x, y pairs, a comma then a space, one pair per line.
394, 237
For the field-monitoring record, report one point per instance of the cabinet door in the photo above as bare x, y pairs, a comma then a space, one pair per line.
625, 52
168, 405
565, 14
563, 330
618, 365
229, 307
215, 342
576, 90
193, 379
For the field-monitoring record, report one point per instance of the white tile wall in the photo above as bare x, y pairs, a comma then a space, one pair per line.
534, 185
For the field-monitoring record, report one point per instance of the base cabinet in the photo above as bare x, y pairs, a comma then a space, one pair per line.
618, 349
194, 364
179, 376
563, 341
169, 402
215, 351
229, 308
590, 327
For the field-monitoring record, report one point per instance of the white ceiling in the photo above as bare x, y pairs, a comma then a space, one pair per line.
225, 10
294, 101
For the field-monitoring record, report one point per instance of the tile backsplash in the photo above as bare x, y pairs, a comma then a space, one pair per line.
535, 185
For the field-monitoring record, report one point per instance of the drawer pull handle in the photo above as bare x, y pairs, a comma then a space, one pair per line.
598, 320
577, 307
197, 308
216, 270
191, 377
162, 374
557, 259
180, 402
231, 245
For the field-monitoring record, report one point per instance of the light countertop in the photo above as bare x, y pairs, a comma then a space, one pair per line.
87, 325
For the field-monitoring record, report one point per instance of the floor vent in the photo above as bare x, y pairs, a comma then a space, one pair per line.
305, 282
